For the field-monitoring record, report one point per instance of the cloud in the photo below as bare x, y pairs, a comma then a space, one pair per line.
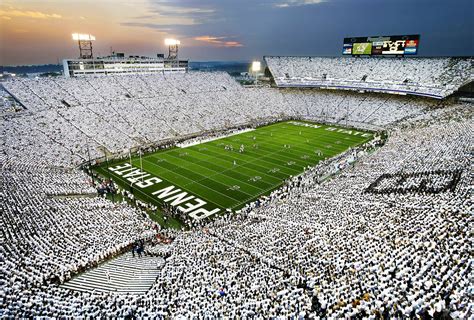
20, 31
176, 18
177, 10
219, 41
170, 13
297, 3
17, 13
154, 26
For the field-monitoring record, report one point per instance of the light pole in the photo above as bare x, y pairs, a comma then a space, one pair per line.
256, 65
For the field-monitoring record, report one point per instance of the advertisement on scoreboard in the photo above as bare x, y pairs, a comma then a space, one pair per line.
382, 45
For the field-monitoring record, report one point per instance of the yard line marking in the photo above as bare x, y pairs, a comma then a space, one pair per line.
260, 159
255, 159
218, 173
207, 187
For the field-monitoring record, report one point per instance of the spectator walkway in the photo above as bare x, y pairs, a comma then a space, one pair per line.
124, 274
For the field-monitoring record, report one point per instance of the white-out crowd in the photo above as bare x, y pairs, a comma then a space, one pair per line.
432, 77
82, 118
312, 248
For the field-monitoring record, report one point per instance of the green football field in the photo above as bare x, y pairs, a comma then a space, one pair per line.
219, 175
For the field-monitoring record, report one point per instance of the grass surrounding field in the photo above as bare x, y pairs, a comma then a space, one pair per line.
229, 178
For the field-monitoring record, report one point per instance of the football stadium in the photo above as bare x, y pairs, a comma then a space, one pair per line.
324, 187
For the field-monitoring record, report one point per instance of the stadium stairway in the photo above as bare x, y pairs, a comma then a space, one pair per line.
124, 274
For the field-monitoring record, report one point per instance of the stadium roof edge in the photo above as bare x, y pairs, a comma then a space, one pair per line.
350, 56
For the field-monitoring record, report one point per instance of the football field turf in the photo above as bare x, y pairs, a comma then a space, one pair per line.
222, 176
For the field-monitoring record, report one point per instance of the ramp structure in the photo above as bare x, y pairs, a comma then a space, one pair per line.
124, 274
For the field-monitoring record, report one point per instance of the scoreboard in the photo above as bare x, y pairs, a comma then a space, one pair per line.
381, 45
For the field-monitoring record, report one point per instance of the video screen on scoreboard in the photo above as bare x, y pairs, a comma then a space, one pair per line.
381, 45
362, 48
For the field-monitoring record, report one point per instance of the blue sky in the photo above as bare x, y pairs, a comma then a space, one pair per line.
34, 31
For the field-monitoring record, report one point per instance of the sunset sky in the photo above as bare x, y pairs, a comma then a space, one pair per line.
36, 32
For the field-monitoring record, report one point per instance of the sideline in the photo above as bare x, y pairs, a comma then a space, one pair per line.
197, 141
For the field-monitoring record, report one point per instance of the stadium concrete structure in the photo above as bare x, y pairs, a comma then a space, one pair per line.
118, 63
380, 230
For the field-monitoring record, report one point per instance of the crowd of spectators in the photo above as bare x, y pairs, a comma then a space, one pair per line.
102, 117
316, 247
431, 77
433, 181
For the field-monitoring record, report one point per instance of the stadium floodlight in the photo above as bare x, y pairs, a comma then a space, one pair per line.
256, 65
173, 48
172, 42
85, 44
82, 37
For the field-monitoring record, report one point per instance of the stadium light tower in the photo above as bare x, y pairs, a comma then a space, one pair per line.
256, 66
173, 48
85, 44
